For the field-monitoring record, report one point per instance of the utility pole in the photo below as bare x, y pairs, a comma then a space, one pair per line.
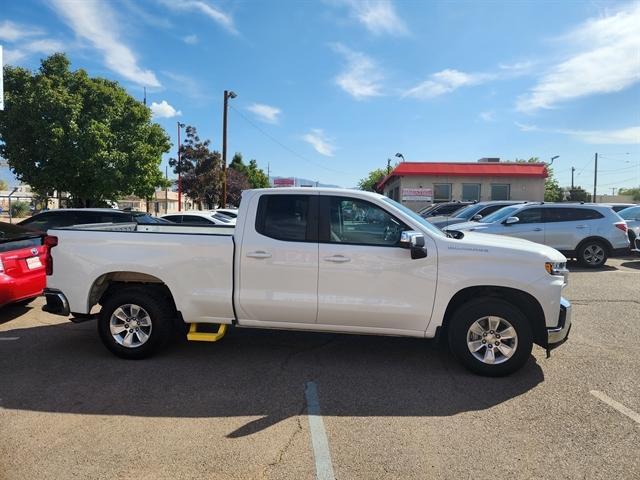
595, 180
573, 169
388, 166
227, 95
613, 191
166, 190
180, 125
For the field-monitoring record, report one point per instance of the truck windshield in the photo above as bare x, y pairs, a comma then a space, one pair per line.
468, 212
414, 216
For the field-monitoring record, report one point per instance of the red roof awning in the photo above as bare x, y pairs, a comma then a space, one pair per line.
450, 169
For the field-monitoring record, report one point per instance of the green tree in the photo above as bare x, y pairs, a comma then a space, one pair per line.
634, 192
552, 190
3, 185
236, 183
256, 176
579, 194
19, 209
370, 181
200, 168
65, 131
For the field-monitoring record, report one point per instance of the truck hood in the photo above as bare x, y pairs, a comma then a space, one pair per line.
501, 242
464, 226
444, 221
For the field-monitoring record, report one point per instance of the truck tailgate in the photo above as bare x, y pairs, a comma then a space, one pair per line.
197, 268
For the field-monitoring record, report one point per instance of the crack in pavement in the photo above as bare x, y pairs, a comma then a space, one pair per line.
288, 443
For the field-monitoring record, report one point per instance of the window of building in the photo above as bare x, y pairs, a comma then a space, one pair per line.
441, 192
283, 217
500, 191
359, 222
470, 192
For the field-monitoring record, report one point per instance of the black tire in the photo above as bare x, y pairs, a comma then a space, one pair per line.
586, 256
160, 314
468, 314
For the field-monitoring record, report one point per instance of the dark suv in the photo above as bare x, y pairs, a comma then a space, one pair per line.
442, 209
67, 217
473, 212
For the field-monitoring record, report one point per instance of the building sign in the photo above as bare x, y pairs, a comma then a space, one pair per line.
1, 85
417, 194
283, 182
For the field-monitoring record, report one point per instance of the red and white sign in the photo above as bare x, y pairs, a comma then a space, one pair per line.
417, 194
283, 182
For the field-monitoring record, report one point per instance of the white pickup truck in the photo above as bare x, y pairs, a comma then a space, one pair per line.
325, 260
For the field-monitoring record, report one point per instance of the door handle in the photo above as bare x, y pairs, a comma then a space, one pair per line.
259, 254
537, 229
337, 259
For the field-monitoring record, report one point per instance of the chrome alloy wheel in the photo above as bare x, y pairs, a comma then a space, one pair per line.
492, 340
130, 325
594, 254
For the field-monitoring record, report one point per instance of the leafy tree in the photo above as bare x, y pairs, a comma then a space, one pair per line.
200, 168
579, 194
19, 209
370, 181
634, 192
236, 183
552, 190
65, 131
3, 185
256, 176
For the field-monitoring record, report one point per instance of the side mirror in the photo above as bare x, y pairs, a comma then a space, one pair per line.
476, 218
415, 242
407, 236
511, 220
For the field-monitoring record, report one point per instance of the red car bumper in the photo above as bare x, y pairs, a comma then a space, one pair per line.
14, 289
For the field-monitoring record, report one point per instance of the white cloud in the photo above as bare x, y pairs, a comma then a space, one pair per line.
321, 144
266, 113
623, 136
362, 77
605, 61
488, 116
164, 110
11, 32
446, 81
200, 6
97, 23
43, 46
190, 39
377, 16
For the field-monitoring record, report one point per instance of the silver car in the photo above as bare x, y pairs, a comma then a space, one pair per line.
632, 217
588, 232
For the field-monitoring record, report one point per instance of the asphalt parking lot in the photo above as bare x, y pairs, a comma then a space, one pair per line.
391, 407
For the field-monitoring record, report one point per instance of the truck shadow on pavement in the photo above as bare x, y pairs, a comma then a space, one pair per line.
63, 368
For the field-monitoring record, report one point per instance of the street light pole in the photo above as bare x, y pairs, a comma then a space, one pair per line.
573, 169
180, 125
399, 155
595, 180
227, 95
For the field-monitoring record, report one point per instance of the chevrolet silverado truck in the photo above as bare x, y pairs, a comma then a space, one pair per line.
323, 260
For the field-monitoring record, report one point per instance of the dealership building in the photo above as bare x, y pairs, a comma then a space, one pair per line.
417, 184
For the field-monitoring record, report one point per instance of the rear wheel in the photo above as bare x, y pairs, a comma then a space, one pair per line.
135, 323
490, 337
592, 254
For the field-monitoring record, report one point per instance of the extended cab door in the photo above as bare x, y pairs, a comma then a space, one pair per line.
278, 277
530, 225
366, 279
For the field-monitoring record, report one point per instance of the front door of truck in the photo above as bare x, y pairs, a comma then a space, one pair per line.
278, 275
366, 279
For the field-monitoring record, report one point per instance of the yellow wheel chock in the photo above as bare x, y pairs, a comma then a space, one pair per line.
195, 336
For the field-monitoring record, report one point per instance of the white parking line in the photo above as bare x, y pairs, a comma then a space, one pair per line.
9, 338
617, 405
324, 468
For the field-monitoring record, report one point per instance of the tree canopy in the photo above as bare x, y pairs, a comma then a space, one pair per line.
256, 176
552, 190
3, 185
65, 131
634, 192
371, 180
200, 169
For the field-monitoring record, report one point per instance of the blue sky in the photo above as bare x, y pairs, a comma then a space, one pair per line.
329, 89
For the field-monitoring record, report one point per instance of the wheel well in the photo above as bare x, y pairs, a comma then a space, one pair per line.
603, 241
109, 283
523, 301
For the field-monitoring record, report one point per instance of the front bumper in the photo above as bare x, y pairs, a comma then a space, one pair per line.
556, 336
57, 303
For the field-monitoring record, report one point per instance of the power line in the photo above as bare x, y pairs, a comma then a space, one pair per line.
282, 145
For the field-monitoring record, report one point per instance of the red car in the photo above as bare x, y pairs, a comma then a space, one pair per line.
23, 257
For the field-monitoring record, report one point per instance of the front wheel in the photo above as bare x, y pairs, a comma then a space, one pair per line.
490, 337
592, 254
135, 323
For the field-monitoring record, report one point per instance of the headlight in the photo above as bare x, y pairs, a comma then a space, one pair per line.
559, 269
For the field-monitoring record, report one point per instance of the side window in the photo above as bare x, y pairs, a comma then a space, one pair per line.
571, 214
195, 219
530, 215
354, 221
284, 217
490, 209
174, 218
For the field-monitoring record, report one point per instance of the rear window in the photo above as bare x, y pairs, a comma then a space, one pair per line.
563, 214
284, 217
14, 237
